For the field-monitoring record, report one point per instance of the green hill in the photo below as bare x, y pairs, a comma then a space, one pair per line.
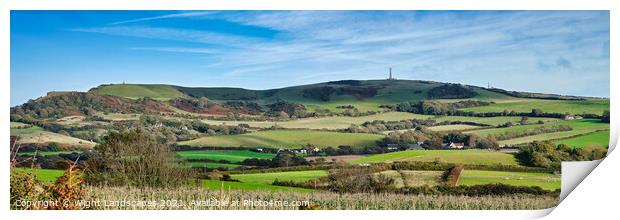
367, 95
134, 91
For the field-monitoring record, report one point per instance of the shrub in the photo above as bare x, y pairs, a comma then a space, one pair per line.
134, 158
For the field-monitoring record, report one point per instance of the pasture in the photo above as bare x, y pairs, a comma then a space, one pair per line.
479, 177
456, 127
332, 123
135, 91
476, 157
413, 178
232, 156
38, 135
591, 106
268, 178
45, 175
580, 127
599, 139
212, 165
287, 139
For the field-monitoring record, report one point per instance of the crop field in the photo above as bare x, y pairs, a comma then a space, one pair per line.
481, 157
336, 122
287, 139
457, 127
37, 134
478, 177
45, 175
243, 186
268, 178
320, 199
600, 139
412, 178
592, 106
228, 155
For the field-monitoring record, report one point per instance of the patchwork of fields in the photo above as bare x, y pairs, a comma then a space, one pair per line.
35, 134
594, 106
478, 157
287, 139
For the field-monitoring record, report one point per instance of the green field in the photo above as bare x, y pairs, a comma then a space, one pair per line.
134, 91
268, 178
287, 139
45, 175
337, 122
580, 127
592, 106
480, 157
479, 177
232, 156
413, 178
600, 139
494, 121
456, 127
213, 165
263, 181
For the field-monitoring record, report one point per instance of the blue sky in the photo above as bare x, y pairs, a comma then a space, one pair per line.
563, 52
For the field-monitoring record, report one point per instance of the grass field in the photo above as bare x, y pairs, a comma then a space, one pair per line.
479, 177
337, 122
494, 121
232, 156
457, 127
287, 139
482, 157
412, 178
213, 165
268, 178
37, 134
45, 175
592, 106
600, 139
134, 91
580, 127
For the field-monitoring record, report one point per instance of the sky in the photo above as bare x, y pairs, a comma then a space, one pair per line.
561, 52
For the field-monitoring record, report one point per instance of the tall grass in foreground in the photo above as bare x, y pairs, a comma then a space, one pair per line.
182, 199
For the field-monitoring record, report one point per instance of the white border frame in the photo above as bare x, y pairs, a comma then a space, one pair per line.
588, 199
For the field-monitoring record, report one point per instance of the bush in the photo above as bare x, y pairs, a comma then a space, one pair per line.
134, 158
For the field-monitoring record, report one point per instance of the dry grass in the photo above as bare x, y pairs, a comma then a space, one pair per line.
185, 198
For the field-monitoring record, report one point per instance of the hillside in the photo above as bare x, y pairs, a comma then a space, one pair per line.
367, 95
